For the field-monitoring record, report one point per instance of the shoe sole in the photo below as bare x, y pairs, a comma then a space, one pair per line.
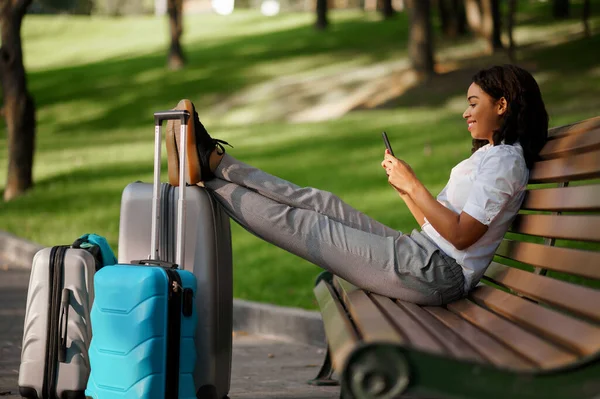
172, 138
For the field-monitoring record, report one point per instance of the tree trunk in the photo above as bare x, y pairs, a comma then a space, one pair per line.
491, 24
420, 42
586, 17
176, 59
474, 17
560, 9
512, 9
452, 16
387, 10
19, 108
444, 11
483, 17
322, 22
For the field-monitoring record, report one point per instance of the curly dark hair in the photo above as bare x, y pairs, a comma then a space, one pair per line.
525, 119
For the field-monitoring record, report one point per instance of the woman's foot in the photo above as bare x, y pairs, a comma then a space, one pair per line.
203, 153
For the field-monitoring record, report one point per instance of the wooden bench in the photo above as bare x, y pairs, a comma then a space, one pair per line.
530, 329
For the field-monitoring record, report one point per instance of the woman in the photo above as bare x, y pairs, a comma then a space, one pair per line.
459, 231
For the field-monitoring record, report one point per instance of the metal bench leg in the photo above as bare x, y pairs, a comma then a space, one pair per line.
324, 376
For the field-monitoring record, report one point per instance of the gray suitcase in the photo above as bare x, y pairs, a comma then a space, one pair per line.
57, 331
207, 254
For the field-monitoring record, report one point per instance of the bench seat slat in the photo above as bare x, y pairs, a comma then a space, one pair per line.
567, 260
577, 335
574, 128
574, 298
494, 351
416, 334
455, 345
571, 144
340, 333
578, 167
579, 198
542, 353
371, 323
581, 228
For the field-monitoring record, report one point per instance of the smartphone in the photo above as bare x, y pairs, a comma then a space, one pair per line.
387, 143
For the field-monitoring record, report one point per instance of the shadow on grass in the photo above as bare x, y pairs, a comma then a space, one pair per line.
571, 58
540, 13
78, 189
129, 90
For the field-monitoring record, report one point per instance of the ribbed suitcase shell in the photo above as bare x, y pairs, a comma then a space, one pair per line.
129, 346
78, 274
207, 255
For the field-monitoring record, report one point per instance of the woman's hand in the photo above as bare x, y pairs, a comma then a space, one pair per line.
400, 174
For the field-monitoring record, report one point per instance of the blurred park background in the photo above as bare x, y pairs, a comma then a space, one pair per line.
301, 88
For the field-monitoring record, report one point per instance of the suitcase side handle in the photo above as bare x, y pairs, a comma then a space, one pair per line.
63, 325
159, 117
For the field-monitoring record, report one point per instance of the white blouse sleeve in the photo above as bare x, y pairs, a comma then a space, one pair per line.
498, 178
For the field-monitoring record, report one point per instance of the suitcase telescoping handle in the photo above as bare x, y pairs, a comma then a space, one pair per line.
159, 117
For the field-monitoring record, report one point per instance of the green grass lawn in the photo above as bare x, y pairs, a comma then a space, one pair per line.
97, 82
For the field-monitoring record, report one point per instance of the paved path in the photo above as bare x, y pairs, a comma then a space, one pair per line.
263, 368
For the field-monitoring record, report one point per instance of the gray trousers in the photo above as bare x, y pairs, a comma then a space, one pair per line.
319, 227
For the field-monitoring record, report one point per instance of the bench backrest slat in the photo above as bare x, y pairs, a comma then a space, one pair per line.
567, 199
578, 167
581, 228
492, 350
572, 333
567, 260
535, 349
574, 128
577, 299
571, 145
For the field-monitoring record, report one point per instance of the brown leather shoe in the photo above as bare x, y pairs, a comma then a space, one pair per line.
173, 135
199, 147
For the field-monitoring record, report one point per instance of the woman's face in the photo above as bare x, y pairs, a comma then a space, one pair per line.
483, 114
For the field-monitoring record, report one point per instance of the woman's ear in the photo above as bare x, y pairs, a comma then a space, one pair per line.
502, 106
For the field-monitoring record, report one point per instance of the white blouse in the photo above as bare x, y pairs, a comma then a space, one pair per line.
490, 187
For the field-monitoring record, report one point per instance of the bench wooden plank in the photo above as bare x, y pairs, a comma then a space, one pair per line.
455, 345
578, 167
577, 335
340, 333
579, 198
571, 144
372, 324
567, 260
416, 334
487, 346
540, 352
580, 228
574, 298
574, 128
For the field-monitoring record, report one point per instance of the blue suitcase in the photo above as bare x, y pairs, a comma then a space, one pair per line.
143, 325
144, 317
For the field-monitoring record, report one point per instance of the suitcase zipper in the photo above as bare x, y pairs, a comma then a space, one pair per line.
173, 334
56, 265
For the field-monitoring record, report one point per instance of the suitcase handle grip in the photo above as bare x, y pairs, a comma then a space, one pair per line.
63, 325
166, 265
161, 116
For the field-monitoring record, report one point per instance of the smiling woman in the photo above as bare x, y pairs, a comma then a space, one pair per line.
461, 229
